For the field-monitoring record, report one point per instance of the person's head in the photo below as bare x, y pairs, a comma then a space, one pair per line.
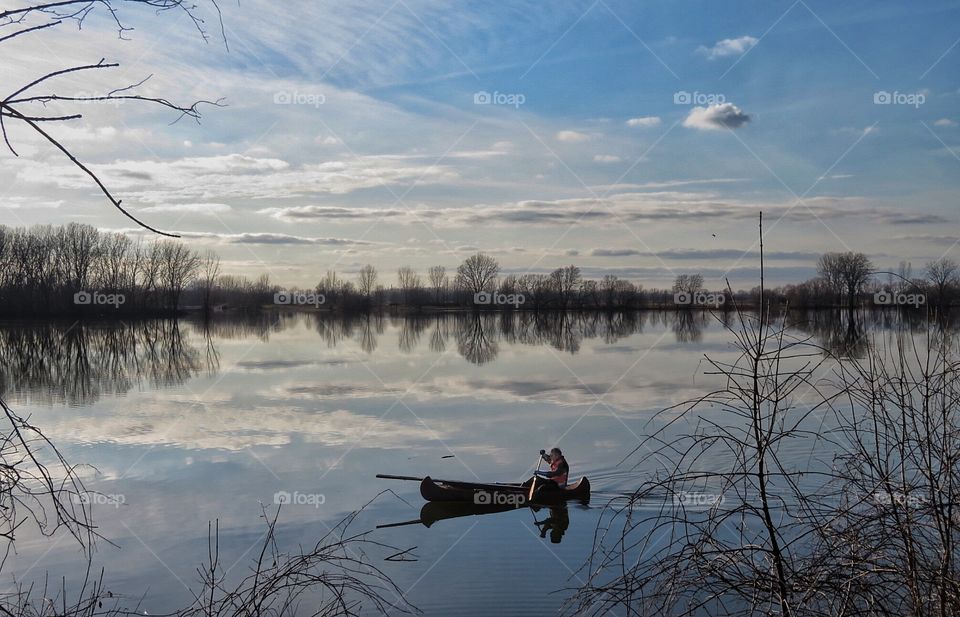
556, 454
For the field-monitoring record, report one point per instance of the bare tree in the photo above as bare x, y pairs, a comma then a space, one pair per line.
367, 280
178, 267
688, 284
564, 281
438, 281
477, 273
845, 273
944, 275
410, 285
209, 272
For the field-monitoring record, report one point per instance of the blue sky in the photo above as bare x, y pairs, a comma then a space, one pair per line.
639, 138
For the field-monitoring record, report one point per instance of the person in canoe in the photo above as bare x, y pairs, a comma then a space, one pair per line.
556, 477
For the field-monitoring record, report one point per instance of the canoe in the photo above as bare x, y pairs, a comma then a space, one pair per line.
500, 494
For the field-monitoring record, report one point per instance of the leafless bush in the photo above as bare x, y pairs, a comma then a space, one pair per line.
717, 526
334, 577
893, 540
869, 526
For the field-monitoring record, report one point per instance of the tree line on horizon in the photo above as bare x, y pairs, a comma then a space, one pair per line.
77, 269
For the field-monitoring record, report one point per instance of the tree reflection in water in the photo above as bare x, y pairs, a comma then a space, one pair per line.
79, 362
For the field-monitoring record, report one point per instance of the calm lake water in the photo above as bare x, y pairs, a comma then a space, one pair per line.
185, 423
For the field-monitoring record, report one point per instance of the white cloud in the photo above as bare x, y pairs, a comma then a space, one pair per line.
606, 158
945, 122
645, 121
728, 47
665, 206
572, 136
238, 176
716, 117
196, 208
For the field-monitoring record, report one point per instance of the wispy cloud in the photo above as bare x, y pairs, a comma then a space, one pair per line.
645, 121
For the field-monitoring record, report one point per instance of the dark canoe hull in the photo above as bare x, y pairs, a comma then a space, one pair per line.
512, 495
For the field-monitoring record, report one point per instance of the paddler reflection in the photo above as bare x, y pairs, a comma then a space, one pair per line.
556, 524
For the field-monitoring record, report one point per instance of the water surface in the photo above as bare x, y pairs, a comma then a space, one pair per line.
185, 422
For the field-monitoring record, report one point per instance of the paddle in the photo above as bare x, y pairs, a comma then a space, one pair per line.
387, 476
533, 484
387, 525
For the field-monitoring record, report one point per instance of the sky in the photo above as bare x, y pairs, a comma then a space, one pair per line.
641, 139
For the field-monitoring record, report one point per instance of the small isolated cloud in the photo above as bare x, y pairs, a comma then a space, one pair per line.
327, 140
945, 122
716, 117
572, 136
606, 158
728, 47
645, 121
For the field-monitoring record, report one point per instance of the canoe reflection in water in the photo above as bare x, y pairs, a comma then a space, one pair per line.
555, 524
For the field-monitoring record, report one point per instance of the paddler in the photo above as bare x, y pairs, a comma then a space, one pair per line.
556, 477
